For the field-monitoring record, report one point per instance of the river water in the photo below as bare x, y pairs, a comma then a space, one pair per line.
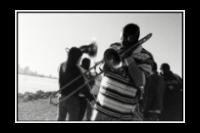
27, 83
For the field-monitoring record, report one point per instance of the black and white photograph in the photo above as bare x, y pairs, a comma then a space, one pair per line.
99, 66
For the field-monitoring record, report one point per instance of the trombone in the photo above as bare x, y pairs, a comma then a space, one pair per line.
89, 48
79, 88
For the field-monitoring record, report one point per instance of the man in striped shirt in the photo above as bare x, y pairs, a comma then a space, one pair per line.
121, 86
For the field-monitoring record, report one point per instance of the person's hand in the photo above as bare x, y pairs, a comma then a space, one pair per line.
92, 103
129, 60
58, 95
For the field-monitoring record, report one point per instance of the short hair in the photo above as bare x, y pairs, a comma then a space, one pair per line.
165, 67
131, 29
85, 63
73, 57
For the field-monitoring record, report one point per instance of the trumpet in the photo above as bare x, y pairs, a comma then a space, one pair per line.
113, 56
109, 54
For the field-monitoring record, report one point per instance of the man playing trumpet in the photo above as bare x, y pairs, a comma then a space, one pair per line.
123, 79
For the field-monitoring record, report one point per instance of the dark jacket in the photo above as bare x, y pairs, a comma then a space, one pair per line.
154, 93
68, 76
173, 98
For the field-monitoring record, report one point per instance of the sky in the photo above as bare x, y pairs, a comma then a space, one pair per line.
43, 37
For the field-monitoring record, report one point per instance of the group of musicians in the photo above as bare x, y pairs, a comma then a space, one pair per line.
130, 89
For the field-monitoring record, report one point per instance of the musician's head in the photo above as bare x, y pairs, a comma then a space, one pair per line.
130, 34
74, 55
165, 68
85, 63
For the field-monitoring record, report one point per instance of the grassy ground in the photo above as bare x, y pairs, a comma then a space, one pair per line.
35, 106
36, 110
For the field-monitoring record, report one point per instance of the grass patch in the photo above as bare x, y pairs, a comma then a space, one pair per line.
36, 110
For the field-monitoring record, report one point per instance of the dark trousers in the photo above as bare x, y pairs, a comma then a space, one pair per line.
173, 107
73, 108
151, 116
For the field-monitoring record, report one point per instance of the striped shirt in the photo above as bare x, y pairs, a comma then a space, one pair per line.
117, 95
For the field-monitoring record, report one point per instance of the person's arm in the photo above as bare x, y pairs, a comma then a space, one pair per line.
86, 88
60, 74
87, 93
136, 74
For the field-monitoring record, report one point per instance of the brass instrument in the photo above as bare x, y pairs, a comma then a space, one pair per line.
110, 54
113, 56
90, 49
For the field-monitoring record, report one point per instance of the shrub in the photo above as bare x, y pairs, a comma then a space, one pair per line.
39, 94
28, 96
